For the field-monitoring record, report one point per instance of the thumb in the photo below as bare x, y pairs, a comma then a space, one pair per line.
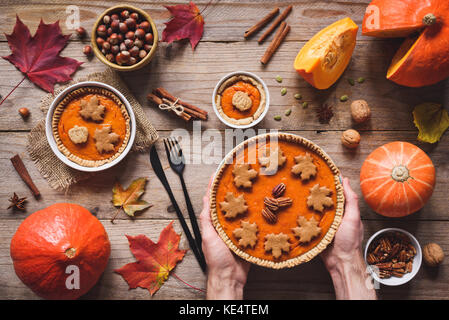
352, 211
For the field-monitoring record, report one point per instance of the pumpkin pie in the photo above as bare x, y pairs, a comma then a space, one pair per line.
91, 126
240, 100
282, 217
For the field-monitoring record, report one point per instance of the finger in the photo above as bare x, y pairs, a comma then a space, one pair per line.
205, 220
352, 203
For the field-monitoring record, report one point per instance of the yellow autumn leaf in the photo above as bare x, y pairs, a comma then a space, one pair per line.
129, 199
432, 120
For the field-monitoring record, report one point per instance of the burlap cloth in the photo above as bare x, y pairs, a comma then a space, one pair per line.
61, 176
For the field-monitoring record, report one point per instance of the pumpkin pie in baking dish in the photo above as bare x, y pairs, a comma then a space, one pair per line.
91, 126
277, 200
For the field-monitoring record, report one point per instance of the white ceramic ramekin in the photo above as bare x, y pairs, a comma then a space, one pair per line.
51, 139
267, 103
395, 281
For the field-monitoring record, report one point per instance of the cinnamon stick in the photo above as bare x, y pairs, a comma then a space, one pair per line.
188, 108
156, 100
275, 43
273, 26
23, 173
262, 23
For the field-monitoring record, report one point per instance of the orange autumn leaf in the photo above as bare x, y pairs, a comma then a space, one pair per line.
187, 23
154, 260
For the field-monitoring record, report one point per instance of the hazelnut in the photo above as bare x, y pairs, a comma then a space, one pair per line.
142, 54
115, 49
433, 254
149, 38
115, 24
134, 16
102, 31
113, 39
147, 47
350, 138
140, 33
114, 16
360, 111
106, 19
130, 35
100, 41
130, 23
87, 50
129, 43
110, 57
132, 60
134, 51
123, 47
138, 43
123, 28
145, 25
81, 32
110, 31
106, 46
120, 37
124, 14
24, 112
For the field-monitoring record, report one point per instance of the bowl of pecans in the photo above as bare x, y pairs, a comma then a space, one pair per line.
125, 38
393, 256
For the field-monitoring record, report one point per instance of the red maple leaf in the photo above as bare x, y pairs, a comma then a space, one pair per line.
187, 23
154, 260
38, 56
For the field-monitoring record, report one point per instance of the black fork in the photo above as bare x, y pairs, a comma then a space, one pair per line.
177, 163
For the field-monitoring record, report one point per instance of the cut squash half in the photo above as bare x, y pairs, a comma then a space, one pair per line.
324, 58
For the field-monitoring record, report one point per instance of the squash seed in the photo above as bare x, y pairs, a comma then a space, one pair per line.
361, 80
351, 81
277, 118
283, 91
298, 96
305, 104
279, 78
344, 98
288, 112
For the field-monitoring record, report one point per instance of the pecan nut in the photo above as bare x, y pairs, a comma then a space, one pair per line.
284, 202
271, 203
269, 215
278, 190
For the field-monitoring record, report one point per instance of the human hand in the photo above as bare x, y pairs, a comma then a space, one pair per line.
226, 272
343, 258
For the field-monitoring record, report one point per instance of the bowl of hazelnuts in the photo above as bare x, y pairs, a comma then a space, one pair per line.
124, 38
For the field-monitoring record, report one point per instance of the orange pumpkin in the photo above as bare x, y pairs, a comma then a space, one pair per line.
326, 55
421, 60
397, 179
50, 240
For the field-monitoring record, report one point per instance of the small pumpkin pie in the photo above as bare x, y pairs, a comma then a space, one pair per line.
91, 126
280, 217
240, 100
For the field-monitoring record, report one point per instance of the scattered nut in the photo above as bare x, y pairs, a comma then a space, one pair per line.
81, 32
87, 50
350, 139
24, 112
433, 254
360, 111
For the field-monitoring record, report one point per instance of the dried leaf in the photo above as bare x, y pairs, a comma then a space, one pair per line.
154, 260
187, 23
129, 199
38, 56
432, 120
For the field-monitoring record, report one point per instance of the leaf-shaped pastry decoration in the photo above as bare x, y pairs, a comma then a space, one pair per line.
432, 120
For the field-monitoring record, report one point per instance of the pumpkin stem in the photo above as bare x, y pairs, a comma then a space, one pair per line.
70, 252
429, 19
400, 173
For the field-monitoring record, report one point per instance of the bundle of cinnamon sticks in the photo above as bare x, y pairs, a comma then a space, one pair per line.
162, 97
279, 36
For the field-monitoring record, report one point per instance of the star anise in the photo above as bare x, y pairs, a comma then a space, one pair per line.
17, 203
324, 113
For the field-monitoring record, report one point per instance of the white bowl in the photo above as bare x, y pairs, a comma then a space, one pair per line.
395, 281
267, 103
51, 138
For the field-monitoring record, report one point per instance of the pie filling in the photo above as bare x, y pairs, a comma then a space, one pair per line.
240, 100
292, 225
112, 117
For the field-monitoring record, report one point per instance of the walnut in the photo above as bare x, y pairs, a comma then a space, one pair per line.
242, 101
350, 138
433, 254
360, 111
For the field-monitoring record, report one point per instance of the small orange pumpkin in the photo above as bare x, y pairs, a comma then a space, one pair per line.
50, 240
397, 179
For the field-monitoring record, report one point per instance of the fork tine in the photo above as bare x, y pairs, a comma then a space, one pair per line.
179, 149
172, 149
167, 149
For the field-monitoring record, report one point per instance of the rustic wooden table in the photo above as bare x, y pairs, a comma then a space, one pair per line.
193, 75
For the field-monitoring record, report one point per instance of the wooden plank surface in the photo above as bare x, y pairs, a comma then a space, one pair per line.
193, 75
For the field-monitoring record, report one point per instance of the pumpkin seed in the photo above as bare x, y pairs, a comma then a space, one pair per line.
288, 112
298, 96
277, 118
283, 91
279, 78
361, 80
344, 98
351, 81
305, 104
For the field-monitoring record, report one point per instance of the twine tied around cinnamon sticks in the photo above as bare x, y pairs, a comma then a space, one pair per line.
173, 106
